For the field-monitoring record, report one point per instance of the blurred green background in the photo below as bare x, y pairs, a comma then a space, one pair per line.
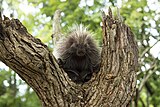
143, 16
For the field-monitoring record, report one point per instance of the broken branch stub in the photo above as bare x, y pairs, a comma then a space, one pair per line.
119, 60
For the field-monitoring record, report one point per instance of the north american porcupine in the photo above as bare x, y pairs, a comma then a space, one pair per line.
79, 54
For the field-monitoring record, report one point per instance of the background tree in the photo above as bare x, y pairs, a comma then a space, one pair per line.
142, 16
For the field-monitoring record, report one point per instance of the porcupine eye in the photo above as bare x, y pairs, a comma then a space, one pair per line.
86, 46
70, 43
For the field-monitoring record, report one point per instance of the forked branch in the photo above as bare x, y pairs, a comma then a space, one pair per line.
113, 86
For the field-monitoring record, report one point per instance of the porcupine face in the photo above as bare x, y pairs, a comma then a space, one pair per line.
79, 45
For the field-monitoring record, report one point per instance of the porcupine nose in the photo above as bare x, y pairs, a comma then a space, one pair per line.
81, 52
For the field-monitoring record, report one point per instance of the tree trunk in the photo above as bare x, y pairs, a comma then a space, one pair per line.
113, 86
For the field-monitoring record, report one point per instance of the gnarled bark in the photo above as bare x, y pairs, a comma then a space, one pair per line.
113, 86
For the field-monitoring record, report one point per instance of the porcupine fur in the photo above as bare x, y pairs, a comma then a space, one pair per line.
79, 54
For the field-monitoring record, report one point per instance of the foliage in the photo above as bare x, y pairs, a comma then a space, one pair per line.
11, 94
141, 15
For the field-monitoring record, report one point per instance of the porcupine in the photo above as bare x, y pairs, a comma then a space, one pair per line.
79, 54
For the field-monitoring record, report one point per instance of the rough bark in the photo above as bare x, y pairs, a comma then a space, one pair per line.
113, 86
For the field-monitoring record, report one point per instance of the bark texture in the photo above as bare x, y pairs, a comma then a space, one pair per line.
113, 86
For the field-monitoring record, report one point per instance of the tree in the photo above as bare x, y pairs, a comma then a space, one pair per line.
114, 85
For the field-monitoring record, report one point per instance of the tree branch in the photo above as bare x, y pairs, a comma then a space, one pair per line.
114, 85
148, 49
150, 71
32, 60
56, 27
